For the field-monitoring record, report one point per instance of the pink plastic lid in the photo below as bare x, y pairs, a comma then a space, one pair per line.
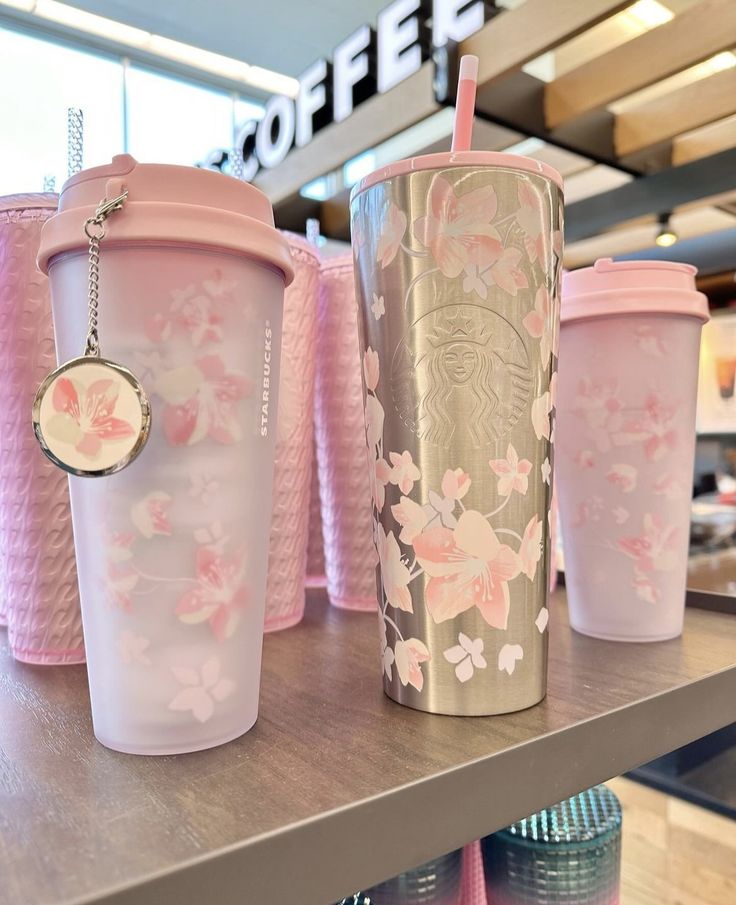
631, 287
167, 204
457, 159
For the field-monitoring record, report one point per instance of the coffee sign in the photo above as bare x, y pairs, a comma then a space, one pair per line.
369, 61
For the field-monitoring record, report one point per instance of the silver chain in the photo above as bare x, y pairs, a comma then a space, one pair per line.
95, 231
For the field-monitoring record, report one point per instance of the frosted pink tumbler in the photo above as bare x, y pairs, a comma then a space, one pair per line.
38, 576
350, 559
294, 446
625, 435
172, 551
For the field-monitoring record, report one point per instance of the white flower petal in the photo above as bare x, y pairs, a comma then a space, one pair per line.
455, 654
464, 670
542, 619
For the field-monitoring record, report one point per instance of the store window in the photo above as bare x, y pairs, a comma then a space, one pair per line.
33, 109
127, 108
171, 121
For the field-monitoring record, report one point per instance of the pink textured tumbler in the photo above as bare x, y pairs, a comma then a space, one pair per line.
172, 551
38, 576
294, 446
628, 379
350, 559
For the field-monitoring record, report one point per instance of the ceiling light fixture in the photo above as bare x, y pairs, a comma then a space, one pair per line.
187, 54
648, 14
666, 235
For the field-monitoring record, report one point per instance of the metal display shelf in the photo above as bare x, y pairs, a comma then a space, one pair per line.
336, 787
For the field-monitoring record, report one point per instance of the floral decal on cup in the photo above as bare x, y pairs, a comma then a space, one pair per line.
202, 689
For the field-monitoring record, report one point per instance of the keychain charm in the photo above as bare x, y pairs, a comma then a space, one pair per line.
91, 415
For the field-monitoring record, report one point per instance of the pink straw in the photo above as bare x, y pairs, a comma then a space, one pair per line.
462, 131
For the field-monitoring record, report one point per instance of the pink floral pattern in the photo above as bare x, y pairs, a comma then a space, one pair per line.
467, 567
411, 516
395, 573
490, 264
202, 689
513, 473
201, 401
654, 550
408, 656
467, 656
531, 220
654, 427
599, 405
403, 471
219, 595
370, 368
392, 234
456, 225
622, 476
530, 551
540, 323
85, 415
150, 515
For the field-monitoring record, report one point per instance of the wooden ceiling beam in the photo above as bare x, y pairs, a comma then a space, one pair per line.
519, 35
703, 30
705, 141
689, 107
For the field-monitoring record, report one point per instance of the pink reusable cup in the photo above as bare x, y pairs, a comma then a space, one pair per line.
350, 558
628, 379
172, 551
38, 576
294, 446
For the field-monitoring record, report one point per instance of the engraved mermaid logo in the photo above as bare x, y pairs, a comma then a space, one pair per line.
468, 378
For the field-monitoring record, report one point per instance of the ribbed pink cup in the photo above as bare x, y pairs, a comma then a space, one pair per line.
293, 467
38, 576
350, 559
628, 378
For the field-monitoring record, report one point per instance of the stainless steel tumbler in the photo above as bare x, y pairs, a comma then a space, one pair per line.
457, 264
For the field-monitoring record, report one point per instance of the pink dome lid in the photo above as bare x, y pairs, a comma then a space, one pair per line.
167, 204
631, 287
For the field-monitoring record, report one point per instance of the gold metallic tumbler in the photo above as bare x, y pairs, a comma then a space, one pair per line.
457, 265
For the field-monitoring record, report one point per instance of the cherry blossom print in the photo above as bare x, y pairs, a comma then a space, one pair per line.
378, 307
620, 515
589, 510
121, 576
598, 403
217, 286
650, 342
622, 476
539, 323
455, 483
653, 427
455, 225
387, 653
85, 415
194, 313
203, 487
380, 473
508, 657
409, 655
393, 228
374, 417
395, 573
149, 515
371, 368
411, 516
542, 620
645, 588
403, 471
530, 551
202, 401
467, 655
219, 596
670, 486
202, 689
444, 507
467, 567
546, 470
513, 473
584, 458
530, 218
490, 264
541, 422
654, 550
132, 648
